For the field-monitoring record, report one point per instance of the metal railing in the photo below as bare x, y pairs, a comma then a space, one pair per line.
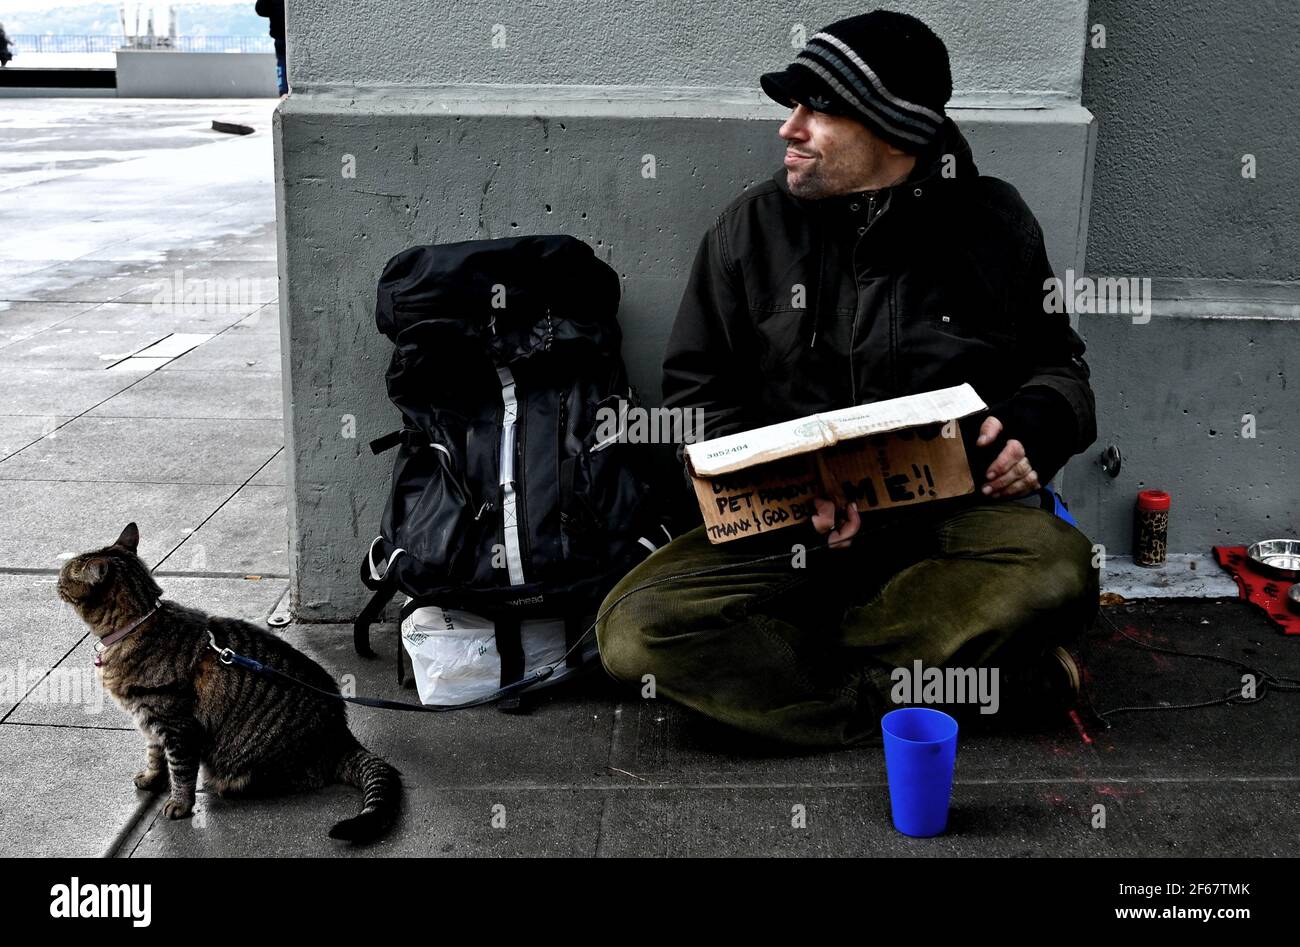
36, 43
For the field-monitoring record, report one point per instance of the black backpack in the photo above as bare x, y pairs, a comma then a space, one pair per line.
505, 501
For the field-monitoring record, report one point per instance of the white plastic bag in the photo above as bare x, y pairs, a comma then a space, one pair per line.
455, 659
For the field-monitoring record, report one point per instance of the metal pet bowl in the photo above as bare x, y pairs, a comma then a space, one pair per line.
1279, 557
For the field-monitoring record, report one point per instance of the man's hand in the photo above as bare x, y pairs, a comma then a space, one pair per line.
824, 522
1011, 474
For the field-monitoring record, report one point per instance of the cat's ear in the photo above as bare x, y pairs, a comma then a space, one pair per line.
130, 538
92, 571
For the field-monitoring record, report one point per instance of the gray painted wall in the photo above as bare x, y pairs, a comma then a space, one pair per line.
1018, 46
438, 162
1180, 92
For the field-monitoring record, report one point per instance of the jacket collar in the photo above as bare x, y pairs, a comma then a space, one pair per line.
923, 189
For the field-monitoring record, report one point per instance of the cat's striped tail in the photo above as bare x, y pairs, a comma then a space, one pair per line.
382, 788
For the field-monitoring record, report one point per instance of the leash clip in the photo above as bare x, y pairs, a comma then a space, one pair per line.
224, 655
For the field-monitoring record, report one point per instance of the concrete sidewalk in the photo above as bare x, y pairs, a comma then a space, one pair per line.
128, 227
121, 404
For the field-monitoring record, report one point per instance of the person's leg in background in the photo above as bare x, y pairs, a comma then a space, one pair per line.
281, 69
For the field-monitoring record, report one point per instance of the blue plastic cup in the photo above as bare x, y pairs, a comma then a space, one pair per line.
920, 753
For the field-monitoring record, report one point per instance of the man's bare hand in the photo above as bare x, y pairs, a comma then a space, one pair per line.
1011, 474
825, 518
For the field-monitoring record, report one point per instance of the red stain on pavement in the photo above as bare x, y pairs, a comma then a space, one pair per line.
1147, 637
1115, 793
1078, 725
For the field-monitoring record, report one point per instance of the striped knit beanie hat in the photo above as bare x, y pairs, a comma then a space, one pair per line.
887, 70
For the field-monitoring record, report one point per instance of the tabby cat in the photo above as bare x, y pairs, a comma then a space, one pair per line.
251, 733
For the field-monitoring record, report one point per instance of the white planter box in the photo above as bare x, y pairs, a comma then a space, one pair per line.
167, 74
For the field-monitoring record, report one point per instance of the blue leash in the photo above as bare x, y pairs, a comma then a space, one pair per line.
230, 657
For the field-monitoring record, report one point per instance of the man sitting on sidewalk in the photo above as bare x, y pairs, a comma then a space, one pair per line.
878, 263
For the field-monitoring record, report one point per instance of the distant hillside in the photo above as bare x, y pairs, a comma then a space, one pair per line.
101, 19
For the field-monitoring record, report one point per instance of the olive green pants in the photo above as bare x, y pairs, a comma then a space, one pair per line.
800, 647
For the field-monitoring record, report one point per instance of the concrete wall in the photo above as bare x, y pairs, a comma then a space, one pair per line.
1001, 46
437, 161
1172, 394
1181, 92
162, 74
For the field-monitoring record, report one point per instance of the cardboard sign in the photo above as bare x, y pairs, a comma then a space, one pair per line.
881, 455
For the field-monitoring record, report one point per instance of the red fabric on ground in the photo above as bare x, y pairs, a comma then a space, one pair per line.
1263, 591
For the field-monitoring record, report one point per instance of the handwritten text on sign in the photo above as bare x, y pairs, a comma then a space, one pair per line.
885, 470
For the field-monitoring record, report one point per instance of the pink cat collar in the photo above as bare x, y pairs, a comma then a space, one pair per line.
113, 637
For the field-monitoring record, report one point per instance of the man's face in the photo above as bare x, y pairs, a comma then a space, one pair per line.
832, 154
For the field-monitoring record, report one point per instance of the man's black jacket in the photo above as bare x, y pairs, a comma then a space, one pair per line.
798, 306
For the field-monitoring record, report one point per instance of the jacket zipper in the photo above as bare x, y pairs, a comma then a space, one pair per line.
561, 444
872, 217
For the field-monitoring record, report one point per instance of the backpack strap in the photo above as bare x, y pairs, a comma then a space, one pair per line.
386, 442
383, 583
372, 575
369, 615
510, 647
509, 480
410, 437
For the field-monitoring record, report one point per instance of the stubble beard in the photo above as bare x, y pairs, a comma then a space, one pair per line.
814, 183
808, 185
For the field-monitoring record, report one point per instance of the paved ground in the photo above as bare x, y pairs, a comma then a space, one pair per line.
103, 203
127, 227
